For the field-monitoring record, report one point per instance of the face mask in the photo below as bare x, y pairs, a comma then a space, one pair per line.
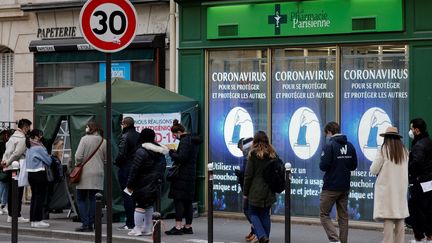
411, 134
87, 129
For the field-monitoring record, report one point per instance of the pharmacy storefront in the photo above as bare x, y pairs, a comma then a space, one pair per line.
288, 68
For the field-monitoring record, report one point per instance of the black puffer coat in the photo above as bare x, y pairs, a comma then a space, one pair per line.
147, 172
186, 156
420, 159
127, 145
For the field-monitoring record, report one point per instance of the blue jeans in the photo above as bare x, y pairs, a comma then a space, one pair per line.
3, 193
87, 205
260, 218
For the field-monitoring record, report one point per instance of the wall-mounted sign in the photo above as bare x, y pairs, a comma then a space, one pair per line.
57, 32
295, 18
118, 70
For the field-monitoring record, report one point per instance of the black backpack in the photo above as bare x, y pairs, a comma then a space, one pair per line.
274, 175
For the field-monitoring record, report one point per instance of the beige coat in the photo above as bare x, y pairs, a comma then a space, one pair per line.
93, 172
390, 200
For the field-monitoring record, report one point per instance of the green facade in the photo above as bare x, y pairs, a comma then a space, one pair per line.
196, 37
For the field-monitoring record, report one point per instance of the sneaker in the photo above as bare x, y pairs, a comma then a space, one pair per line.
20, 220
147, 233
174, 231
254, 239
135, 232
84, 229
124, 227
187, 230
39, 224
249, 237
264, 239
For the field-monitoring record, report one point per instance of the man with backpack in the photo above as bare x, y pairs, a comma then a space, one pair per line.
338, 159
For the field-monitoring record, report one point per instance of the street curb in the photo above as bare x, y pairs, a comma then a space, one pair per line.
68, 235
362, 225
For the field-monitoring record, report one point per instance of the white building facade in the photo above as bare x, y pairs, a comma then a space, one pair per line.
42, 51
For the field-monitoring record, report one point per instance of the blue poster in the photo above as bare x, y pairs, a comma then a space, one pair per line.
374, 96
238, 109
118, 70
303, 101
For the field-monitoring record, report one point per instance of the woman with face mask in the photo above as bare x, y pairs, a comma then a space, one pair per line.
91, 151
37, 161
182, 188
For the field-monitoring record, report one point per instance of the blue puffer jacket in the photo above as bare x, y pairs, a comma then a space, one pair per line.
338, 159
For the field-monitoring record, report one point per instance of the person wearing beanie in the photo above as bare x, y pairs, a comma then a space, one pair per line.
145, 179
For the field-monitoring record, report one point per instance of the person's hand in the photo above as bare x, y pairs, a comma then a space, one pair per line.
244, 197
129, 190
3, 164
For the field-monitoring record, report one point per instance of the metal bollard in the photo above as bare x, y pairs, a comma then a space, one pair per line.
15, 193
157, 218
287, 202
98, 218
210, 203
157, 227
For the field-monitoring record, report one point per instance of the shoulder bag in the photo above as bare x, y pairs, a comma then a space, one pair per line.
75, 175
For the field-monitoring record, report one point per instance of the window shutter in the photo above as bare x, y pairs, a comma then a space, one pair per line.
6, 69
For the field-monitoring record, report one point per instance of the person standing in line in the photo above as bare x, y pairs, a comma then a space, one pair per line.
145, 179
338, 159
390, 197
420, 172
245, 144
128, 143
182, 188
91, 148
256, 191
15, 151
37, 161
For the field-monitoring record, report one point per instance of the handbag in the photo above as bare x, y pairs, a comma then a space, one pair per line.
49, 173
75, 175
173, 172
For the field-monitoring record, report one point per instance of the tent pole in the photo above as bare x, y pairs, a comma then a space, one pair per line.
109, 148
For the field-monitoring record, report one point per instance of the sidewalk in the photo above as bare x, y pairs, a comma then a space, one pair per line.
227, 229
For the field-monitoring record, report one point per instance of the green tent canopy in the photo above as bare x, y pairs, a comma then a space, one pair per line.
84, 103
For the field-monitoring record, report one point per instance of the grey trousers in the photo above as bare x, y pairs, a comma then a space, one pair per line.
327, 200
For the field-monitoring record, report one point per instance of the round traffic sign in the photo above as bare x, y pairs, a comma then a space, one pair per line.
108, 25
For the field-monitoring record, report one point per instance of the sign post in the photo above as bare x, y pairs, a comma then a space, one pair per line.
109, 26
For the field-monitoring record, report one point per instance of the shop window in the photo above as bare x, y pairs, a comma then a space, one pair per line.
374, 96
238, 104
65, 75
303, 101
364, 88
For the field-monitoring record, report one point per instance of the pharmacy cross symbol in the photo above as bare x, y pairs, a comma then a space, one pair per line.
277, 19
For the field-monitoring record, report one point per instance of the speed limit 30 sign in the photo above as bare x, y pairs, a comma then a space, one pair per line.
108, 25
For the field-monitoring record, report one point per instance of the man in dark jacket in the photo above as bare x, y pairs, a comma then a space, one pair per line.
338, 159
420, 175
127, 146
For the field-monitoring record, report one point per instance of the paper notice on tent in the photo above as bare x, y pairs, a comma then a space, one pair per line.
161, 123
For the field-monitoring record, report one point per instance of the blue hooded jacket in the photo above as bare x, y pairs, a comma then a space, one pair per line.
338, 159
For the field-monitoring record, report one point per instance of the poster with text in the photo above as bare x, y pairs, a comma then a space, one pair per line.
161, 123
374, 96
237, 108
303, 101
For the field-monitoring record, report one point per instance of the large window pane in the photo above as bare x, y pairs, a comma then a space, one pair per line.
374, 84
65, 75
303, 101
237, 108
